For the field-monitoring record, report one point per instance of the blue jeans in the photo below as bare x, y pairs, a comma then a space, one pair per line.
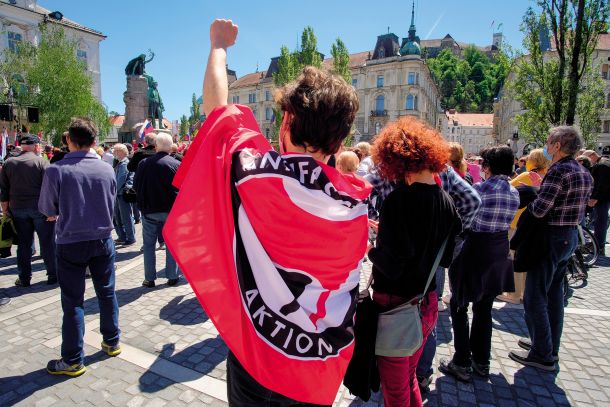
123, 221
73, 259
135, 211
152, 225
28, 221
543, 297
424, 366
600, 223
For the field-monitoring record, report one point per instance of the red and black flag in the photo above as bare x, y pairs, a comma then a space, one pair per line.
272, 246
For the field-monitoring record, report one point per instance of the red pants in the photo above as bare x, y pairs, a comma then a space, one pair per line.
398, 380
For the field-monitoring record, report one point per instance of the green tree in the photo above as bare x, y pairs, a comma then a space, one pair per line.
54, 80
553, 87
290, 65
470, 83
184, 126
340, 56
195, 113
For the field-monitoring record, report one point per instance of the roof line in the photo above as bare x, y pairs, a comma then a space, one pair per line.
71, 24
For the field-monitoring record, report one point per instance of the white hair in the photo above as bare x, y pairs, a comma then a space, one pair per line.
122, 148
163, 142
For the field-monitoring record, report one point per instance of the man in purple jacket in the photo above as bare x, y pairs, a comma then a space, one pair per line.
79, 192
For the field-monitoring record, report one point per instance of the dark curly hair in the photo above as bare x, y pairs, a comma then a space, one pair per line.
323, 107
409, 146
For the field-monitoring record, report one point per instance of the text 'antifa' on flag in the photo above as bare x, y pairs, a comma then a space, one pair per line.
272, 246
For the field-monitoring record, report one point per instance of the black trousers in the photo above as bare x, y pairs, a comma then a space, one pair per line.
472, 344
244, 391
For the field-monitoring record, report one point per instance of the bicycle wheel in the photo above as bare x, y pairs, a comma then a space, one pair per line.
588, 248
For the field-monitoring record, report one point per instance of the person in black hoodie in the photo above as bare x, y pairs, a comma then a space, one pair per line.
148, 151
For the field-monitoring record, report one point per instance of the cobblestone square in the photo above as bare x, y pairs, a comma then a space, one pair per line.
173, 355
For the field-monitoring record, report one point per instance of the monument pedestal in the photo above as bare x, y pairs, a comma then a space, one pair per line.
136, 107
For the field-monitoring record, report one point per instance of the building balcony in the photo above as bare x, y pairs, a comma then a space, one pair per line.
379, 113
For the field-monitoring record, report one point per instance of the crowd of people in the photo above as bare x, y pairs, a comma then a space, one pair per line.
430, 214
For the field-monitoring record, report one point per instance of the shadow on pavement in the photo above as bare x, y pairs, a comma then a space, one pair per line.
14, 389
198, 360
443, 328
509, 320
183, 312
124, 296
530, 388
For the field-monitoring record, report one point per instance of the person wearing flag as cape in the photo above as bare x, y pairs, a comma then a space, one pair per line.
272, 243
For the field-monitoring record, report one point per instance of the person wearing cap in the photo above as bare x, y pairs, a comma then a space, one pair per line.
20, 184
600, 197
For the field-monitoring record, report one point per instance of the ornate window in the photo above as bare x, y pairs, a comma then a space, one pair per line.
411, 78
251, 97
81, 55
382, 52
605, 71
236, 99
355, 83
267, 113
380, 103
380, 81
267, 95
13, 40
411, 102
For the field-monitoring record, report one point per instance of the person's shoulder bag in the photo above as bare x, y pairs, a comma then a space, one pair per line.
399, 330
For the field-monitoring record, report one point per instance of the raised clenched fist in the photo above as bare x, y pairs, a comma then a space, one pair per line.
223, 33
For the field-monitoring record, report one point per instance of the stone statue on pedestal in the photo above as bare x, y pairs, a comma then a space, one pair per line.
142, 99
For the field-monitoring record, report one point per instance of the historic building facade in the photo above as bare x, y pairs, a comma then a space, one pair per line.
392, 81
474, 131
506, 109
19, 21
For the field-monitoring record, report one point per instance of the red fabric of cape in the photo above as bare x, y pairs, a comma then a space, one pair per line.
322, 245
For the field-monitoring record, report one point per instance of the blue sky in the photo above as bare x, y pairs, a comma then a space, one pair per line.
178, 32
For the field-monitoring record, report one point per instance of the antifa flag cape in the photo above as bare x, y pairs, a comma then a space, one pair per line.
272, 246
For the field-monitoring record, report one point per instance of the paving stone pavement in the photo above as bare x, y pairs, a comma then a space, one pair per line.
174, 356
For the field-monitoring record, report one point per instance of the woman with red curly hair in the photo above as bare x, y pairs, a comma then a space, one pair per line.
415, 220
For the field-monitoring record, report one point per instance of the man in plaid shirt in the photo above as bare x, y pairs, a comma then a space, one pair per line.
561, 201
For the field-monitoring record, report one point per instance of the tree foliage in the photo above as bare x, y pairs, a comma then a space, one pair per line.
290, 65
340, 56
195, 113
51, 77
555, 86
184, 126
471, 83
